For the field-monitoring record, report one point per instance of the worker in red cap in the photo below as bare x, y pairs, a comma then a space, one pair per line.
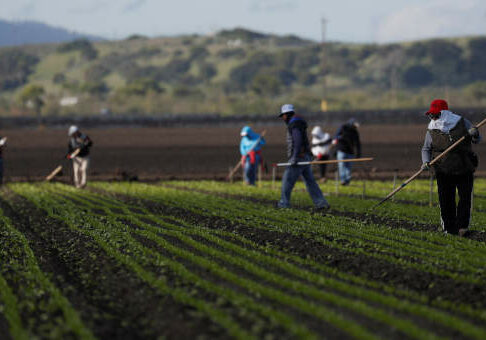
455, 170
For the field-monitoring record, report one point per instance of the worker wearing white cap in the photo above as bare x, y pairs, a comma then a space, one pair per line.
298, 150
81, 142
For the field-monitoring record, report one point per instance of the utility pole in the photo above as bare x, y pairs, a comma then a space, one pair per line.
324, 106
323, 30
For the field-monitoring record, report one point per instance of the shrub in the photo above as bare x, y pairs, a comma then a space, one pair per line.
264, 84
141, 87
59, 78
15, 67
416, 76
82, 45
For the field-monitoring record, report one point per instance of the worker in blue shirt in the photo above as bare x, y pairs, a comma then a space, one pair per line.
251, 153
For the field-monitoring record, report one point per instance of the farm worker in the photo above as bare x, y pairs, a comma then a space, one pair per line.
3, 143
348, 146
78, 140
298, 150
321, 148
455, 170
251, 153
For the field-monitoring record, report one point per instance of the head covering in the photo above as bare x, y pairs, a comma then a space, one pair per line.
72, 130
317, 132
446, 122
286, 108
247, 132
352, 122
437, 106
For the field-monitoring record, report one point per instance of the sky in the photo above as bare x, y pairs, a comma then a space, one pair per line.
363, 21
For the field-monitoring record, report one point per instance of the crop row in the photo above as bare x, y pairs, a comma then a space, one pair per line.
33, 305
116, 240
426, 252
391, 209
241, 257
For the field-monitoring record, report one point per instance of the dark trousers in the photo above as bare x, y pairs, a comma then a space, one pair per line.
322, 167
455, 218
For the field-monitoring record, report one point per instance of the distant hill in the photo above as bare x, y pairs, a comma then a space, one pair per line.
240, 71
14, 33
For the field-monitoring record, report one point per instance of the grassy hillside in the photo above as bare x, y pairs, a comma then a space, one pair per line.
240, 71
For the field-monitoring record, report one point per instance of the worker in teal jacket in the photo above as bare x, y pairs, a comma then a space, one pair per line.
251, 153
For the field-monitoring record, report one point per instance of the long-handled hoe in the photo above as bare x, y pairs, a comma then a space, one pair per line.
59, 168
237, 166
328, 162
432, 162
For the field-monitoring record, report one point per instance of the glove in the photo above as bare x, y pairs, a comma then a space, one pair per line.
426, 166
334, 141
293, 161
473, 131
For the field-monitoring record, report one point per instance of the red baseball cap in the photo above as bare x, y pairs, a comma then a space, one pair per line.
436, 106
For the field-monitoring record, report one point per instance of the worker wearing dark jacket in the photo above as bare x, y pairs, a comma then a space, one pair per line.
298, 150
348, 146
78, 140
455, 170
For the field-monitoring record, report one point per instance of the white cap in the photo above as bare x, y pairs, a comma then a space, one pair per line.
317, 131
72, 130
286, 108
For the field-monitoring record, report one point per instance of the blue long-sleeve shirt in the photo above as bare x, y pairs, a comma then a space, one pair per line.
252, 141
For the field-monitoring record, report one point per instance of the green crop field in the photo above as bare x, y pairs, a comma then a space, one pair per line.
213, 260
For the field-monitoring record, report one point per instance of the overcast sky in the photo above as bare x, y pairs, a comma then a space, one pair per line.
348, 20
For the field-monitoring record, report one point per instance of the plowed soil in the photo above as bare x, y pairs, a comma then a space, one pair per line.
194, 152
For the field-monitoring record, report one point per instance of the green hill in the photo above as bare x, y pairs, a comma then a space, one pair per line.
240, 71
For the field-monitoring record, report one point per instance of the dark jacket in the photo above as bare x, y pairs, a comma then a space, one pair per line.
459, 160
348, 140
83, 142
297, 142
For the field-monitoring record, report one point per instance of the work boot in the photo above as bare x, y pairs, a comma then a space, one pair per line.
321, 210
463, 232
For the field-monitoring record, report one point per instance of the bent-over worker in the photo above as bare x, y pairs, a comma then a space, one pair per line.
298, 150
455, 170
321, 148
251, 153
78, 140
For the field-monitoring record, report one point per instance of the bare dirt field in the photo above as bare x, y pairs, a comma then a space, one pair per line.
194, 152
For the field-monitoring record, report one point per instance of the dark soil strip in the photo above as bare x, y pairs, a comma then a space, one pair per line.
111, 300
4, 328
434, 286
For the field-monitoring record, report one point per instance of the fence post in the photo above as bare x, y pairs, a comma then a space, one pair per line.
395, 175
274, 176
259, 176
431, 189
337, 182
